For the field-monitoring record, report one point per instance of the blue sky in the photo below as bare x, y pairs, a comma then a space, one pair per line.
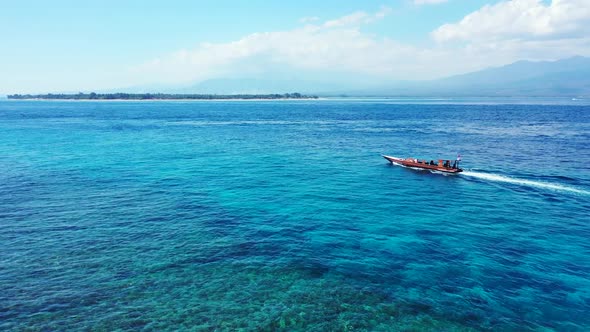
72, 45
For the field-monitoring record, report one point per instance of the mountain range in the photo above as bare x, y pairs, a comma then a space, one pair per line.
567, 77
562, 78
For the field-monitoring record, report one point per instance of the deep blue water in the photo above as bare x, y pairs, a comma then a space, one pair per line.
282, 215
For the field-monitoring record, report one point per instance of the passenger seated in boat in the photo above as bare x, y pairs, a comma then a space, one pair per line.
432, 162
447, 163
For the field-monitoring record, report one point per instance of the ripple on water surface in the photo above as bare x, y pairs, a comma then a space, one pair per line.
283, 216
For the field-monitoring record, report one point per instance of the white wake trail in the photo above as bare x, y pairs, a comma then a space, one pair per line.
523, 182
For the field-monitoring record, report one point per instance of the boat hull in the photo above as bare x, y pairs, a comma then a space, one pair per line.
409, 162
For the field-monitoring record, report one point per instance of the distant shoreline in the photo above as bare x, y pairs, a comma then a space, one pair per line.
158, 96
163, 100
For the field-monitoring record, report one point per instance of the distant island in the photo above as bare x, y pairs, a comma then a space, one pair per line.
158, 96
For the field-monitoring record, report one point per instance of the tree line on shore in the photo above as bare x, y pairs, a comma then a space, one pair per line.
156, 96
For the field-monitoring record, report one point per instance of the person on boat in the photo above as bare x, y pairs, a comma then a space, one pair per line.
432, 162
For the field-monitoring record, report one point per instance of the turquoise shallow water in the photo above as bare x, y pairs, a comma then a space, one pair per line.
283, 216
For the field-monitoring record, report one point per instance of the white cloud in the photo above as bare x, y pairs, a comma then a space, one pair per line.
428, 2
352, 19
521, 29
494, 35
358, 18
333, 46
520, 19
309, 19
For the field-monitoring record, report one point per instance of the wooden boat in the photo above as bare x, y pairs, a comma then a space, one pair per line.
440, 165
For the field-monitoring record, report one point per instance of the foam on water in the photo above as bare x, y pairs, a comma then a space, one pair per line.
524, 182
